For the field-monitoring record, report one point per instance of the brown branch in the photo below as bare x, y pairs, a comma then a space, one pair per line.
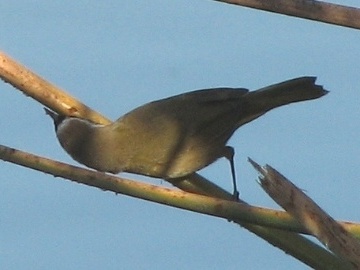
331, 233
250, 217
231, 210
307, 9
44, 92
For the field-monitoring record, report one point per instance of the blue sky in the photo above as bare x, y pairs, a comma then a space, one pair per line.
115, 56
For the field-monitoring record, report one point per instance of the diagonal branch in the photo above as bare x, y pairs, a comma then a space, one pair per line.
230, 210
248, 216
307, 9
330, 232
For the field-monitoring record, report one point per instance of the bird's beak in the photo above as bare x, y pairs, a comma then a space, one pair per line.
53, 115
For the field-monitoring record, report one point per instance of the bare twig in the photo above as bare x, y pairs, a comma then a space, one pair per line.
44, 92
331, 233
231, 210
307, 9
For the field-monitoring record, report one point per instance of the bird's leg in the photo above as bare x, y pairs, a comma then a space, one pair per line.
229, 154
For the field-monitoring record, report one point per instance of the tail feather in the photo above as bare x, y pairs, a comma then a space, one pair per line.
295, 90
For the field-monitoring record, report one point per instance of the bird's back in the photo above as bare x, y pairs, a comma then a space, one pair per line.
181, 134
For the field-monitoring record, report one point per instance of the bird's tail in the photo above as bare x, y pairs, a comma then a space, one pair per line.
300, 89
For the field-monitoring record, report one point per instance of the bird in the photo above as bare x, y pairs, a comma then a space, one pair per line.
176, 136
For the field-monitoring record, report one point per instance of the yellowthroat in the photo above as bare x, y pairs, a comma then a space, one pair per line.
179, 135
